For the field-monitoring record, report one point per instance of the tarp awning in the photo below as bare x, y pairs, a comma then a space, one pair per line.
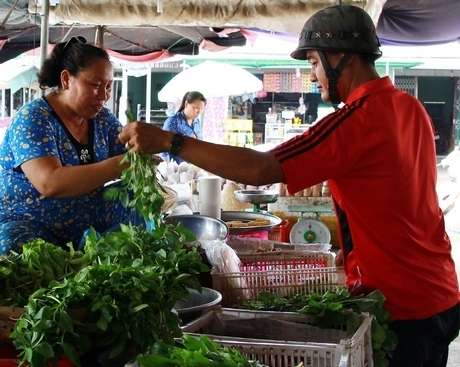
16, 75
148, 30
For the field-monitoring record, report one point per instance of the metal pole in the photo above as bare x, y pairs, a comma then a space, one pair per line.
3, 104
123, 104
99, 41
148, 94
44, 35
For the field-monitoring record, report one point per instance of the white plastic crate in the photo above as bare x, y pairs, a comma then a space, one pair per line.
266, 336
284, 278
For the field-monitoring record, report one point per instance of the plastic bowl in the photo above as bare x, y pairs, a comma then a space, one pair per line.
204, 227
197, 303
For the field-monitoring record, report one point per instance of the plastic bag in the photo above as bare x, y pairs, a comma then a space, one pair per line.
224, 260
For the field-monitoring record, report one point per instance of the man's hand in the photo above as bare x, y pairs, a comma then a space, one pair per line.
146, 138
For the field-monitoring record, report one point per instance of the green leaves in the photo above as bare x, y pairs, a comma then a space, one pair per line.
128, 291
127, 282
194, 352
37, 266
139, 187
338, 308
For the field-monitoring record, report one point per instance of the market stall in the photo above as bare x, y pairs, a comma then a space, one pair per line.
222, 262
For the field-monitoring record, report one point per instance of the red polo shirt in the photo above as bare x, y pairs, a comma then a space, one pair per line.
378, 154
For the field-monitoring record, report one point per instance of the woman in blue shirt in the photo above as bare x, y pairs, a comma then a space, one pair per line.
185, 120
60, 151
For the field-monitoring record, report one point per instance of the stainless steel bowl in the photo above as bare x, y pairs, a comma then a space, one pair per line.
256, 196
196, 303
204, 227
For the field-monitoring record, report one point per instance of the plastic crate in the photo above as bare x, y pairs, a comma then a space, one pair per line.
280, 232
282, 273
285, 260
266, 337
258, 234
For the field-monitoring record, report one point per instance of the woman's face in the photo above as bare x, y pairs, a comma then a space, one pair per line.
194, 109
90, 89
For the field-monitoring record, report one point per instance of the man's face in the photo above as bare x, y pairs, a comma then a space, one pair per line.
318, 74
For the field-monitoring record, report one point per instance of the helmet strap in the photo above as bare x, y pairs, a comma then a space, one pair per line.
333, 75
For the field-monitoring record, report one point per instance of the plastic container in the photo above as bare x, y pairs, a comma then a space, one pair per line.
276, 267
246, 286
259, 234
263, 339
280, 232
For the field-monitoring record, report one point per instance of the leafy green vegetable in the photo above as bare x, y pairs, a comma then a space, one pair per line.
38, 264
129, 290
140, 188
337, 308
193, 352
127, 282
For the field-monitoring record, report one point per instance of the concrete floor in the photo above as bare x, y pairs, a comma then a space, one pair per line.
450, 191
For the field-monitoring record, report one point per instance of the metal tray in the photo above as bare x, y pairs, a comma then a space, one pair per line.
248, 217
256, 196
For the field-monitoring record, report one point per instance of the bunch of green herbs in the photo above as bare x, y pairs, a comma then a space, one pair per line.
195, 352
140, 188
36, 266
337, 308
128, 287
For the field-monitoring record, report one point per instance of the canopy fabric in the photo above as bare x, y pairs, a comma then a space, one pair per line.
399, 21
15, 74
264, 14
152, 33
419, 23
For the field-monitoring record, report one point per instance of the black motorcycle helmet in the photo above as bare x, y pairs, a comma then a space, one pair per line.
341, 28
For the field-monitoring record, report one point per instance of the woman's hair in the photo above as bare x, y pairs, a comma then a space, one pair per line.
74, 55
191, 97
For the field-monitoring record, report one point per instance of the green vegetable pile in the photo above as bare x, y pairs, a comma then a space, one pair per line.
126, 283
193, 352
39, 263
337, 308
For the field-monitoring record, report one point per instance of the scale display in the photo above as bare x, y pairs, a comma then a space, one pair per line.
309, 230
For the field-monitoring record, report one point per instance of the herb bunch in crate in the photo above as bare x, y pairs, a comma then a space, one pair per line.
336, 308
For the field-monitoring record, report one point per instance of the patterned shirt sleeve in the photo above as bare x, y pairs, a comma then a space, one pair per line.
31, 133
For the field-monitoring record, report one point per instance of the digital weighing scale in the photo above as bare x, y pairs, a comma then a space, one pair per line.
311, 229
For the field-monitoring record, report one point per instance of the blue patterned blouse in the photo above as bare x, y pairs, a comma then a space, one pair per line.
178, 123
34, 133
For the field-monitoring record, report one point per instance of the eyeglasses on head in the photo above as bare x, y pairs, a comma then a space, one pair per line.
73, 40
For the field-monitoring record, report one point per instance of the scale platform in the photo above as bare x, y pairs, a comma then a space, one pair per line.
310, 230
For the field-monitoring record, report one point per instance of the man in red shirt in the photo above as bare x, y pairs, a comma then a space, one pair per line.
378, 154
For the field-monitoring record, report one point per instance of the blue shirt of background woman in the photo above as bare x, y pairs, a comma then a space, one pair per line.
186, 120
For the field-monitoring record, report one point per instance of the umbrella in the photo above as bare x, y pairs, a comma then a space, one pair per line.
213, 79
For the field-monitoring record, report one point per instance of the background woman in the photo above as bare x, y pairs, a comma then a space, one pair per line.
185, 120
